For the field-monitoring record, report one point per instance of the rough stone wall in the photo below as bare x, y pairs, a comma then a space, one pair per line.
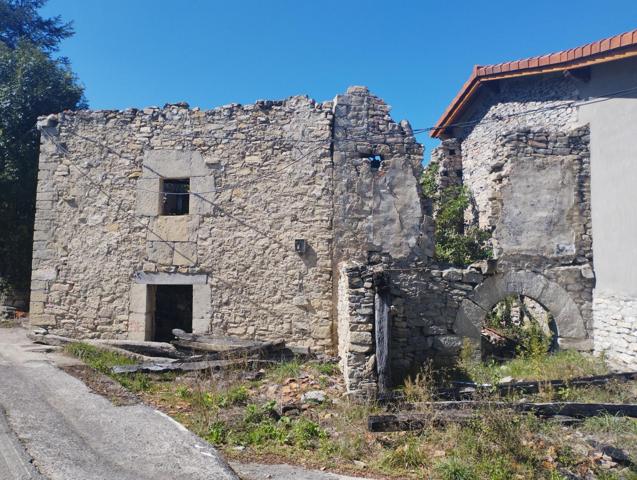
260, 175
616, 329
375, 209
12, 299
356, 328
425, 303
540, 209
265, 174
448, 159
526, 163
506, 108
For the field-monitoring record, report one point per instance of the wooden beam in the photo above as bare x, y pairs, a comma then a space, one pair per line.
461, 411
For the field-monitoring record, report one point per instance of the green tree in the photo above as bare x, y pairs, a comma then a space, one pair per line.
456, 243
32, 83
20, 21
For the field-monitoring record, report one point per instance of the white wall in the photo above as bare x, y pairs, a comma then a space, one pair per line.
613, 147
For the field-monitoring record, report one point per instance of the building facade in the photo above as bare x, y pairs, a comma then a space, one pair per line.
231, 221
547, 147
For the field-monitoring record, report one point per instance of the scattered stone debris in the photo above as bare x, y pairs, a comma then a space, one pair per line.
314, 396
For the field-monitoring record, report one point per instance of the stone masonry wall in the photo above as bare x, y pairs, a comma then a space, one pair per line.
264, 172
356, 328
425, 303
541, 211
376, 208
261, 176
616, 329
526, 163
506, 108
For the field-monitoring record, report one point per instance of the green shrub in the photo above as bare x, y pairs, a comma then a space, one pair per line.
329, 369
304, 432
429, 182
184, 392
237, 395
455, 243
217, 433
607, 423
285, 370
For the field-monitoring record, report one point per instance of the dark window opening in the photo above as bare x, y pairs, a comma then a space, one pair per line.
452, 151
375, 161
173, 309
175, 196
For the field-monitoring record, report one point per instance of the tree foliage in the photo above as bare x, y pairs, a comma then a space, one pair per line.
20, 21
32, 83
456, 243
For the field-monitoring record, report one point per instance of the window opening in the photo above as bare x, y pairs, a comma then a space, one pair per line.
375, 161
175, 196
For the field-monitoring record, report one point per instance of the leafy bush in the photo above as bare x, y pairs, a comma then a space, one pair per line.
410, 454
455, 243
217, 433
429, 182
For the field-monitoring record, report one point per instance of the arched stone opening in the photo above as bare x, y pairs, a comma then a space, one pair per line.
569, 325
517, 325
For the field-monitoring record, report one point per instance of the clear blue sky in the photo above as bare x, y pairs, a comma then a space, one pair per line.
414, 54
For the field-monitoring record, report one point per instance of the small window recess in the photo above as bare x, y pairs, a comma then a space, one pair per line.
452, 151
375, 162
175, 196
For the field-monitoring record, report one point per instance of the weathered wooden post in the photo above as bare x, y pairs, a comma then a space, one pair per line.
382, 330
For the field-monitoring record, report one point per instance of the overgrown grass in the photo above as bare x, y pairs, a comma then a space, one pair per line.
564, 364
607, 423
244, 419
285, 370
103, 361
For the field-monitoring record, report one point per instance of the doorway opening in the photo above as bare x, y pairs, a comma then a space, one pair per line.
517, 325
173, 309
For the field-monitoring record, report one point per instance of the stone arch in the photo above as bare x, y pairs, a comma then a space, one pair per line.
571, 329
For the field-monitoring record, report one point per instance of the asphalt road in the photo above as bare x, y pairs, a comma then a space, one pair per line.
70, 433
15, 463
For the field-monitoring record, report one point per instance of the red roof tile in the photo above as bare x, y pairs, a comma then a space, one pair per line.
605, 50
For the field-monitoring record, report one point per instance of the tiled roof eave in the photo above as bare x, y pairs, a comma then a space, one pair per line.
594, 53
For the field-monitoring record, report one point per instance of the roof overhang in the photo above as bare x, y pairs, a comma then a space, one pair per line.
607, 50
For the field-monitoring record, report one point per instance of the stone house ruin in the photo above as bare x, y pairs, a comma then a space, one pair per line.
546, 145
306, 221
233, 221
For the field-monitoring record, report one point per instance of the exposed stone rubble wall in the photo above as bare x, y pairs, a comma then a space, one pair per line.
616, 329
11, 299
356, 329
448, 159
504, 108
425, 303
97, 227
529, 176
262, 176
541, 214
375, 209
